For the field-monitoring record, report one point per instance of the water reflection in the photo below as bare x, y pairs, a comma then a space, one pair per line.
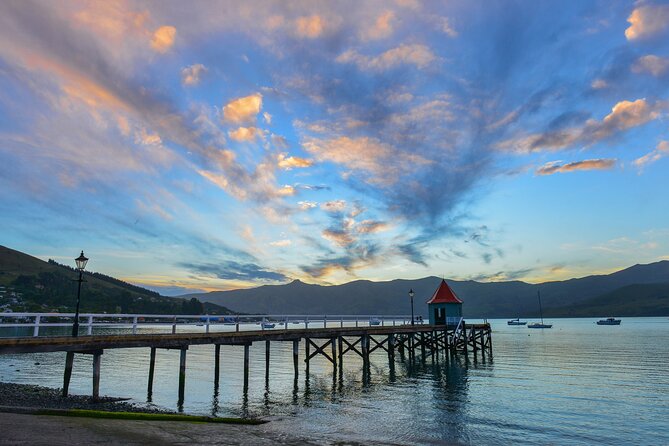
565, 376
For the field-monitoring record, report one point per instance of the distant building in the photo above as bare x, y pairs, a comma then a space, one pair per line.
444, 308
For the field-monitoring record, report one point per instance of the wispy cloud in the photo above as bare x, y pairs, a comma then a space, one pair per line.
624, 116
660, 151
655, 65
591, 164
232, 270
191, 75
417, 55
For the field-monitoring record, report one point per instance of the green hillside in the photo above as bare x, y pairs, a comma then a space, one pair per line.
31, 285
631, 300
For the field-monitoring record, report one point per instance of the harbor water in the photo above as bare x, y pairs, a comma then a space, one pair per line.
577, 383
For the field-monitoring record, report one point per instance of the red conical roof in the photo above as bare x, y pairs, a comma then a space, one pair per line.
444, 295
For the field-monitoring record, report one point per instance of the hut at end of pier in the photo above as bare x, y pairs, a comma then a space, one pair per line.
444, 308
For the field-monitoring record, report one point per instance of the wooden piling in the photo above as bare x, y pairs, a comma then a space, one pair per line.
296, 351
391, 348
96, 374
432, 344
266, 361
217, 364
422, 346
182, 373
306, 350
69, 361
340, 341
333, 341
246, 367
365, 350
152, 367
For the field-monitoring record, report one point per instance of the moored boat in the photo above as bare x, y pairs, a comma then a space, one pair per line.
609, 321
541, 313
539, 325
516, 321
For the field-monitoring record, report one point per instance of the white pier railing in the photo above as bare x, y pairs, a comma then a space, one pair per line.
187, 323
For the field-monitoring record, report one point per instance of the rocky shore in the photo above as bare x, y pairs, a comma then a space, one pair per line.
30, 396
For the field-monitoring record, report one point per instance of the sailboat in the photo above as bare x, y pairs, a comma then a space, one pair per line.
541, 313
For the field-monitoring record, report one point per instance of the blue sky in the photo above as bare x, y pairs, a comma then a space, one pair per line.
217, 145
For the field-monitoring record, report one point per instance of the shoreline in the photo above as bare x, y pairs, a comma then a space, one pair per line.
37, 415
39, 397
31, 399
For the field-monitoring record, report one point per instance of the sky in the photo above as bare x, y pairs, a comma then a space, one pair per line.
214, 145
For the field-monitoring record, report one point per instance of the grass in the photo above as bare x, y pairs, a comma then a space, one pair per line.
145, 416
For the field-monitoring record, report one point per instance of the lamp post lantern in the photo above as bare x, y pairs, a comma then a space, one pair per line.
81, 264
411, 293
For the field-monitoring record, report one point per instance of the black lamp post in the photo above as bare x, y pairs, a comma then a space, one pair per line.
411, 293
81, 264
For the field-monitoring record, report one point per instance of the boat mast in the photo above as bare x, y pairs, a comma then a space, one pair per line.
541, 313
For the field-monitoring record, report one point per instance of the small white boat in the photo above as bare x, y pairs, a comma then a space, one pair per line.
541, 313
609, 321
516, 321
539, 325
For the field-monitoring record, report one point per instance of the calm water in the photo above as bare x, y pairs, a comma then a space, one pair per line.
577, 383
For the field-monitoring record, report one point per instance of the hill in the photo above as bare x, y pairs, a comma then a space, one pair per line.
33, 285
491, 299
631, 300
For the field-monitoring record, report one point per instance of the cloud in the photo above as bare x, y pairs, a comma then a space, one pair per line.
281, 243
338, 236
381, 28
503, 276
383, 161
243, 110
654, 65
444, 25
309, 27
591, 164
258, 185
371, 226
163, 39
306, 205
357, 256
334, 206
191, 74
143, 137
647, 21
245, 134
232, 270
291, 162
624, 116
417, 55
660, 151
267, 117
599, 84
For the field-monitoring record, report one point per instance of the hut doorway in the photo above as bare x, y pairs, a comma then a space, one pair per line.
440, 316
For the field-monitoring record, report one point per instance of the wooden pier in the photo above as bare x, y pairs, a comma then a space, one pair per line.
409, 341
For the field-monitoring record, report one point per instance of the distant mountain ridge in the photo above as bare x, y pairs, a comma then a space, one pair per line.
482, 299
